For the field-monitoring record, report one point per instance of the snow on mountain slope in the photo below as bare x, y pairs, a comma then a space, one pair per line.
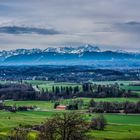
87, 54
80, 49
86, 48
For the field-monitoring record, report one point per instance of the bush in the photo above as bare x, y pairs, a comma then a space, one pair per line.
19, 134
98, 123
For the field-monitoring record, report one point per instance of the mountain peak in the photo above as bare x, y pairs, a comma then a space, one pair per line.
89, 48
79, 49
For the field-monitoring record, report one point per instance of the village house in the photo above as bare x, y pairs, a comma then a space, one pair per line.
61, 107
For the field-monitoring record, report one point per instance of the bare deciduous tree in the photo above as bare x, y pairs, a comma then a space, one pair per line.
66, 126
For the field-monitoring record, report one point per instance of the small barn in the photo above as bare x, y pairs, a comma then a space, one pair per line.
61, 107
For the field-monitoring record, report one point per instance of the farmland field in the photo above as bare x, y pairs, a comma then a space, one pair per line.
86, 100
43, 85
37, 82
50, 85
47, 85
136, 92
132, 88
113, 82
119, 125
48, 105
40, 104
117, 132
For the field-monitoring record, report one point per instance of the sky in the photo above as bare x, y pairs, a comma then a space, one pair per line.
111, 24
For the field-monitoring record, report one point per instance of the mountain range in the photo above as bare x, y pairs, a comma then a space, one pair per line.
82, 55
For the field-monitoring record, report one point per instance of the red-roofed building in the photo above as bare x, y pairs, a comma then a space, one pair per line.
61, 107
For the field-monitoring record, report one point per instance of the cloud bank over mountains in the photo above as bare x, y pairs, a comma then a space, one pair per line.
114, 24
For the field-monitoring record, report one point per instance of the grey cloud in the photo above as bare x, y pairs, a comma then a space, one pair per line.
133, 23
108, 22
132, 27
27, 30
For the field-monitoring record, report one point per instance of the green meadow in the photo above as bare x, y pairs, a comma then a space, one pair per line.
50, 85
48, 105
43, 85
132, 88
120, 126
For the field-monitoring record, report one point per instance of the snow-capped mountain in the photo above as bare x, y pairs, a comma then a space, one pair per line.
80, 49
5, 54
86, 48
81, 55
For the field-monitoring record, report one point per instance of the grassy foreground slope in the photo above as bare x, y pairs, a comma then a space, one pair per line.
117, 132
119, 126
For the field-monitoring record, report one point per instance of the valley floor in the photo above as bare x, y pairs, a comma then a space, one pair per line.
120, 126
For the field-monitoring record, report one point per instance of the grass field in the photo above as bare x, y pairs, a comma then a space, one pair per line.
123, 127
50, 85
37, 82
136, 92
44, 105
119, 125
117, 132
132, 88
43, 85
87, 100
8, 120
48, 105
113, 82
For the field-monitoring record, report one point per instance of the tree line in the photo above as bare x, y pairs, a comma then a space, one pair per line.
114, 107
86, 90
27, 92
102, 106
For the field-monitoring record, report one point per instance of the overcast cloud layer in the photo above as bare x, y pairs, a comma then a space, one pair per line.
111, 24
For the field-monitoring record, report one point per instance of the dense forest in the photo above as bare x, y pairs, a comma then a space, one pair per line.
66, 73
17, 92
